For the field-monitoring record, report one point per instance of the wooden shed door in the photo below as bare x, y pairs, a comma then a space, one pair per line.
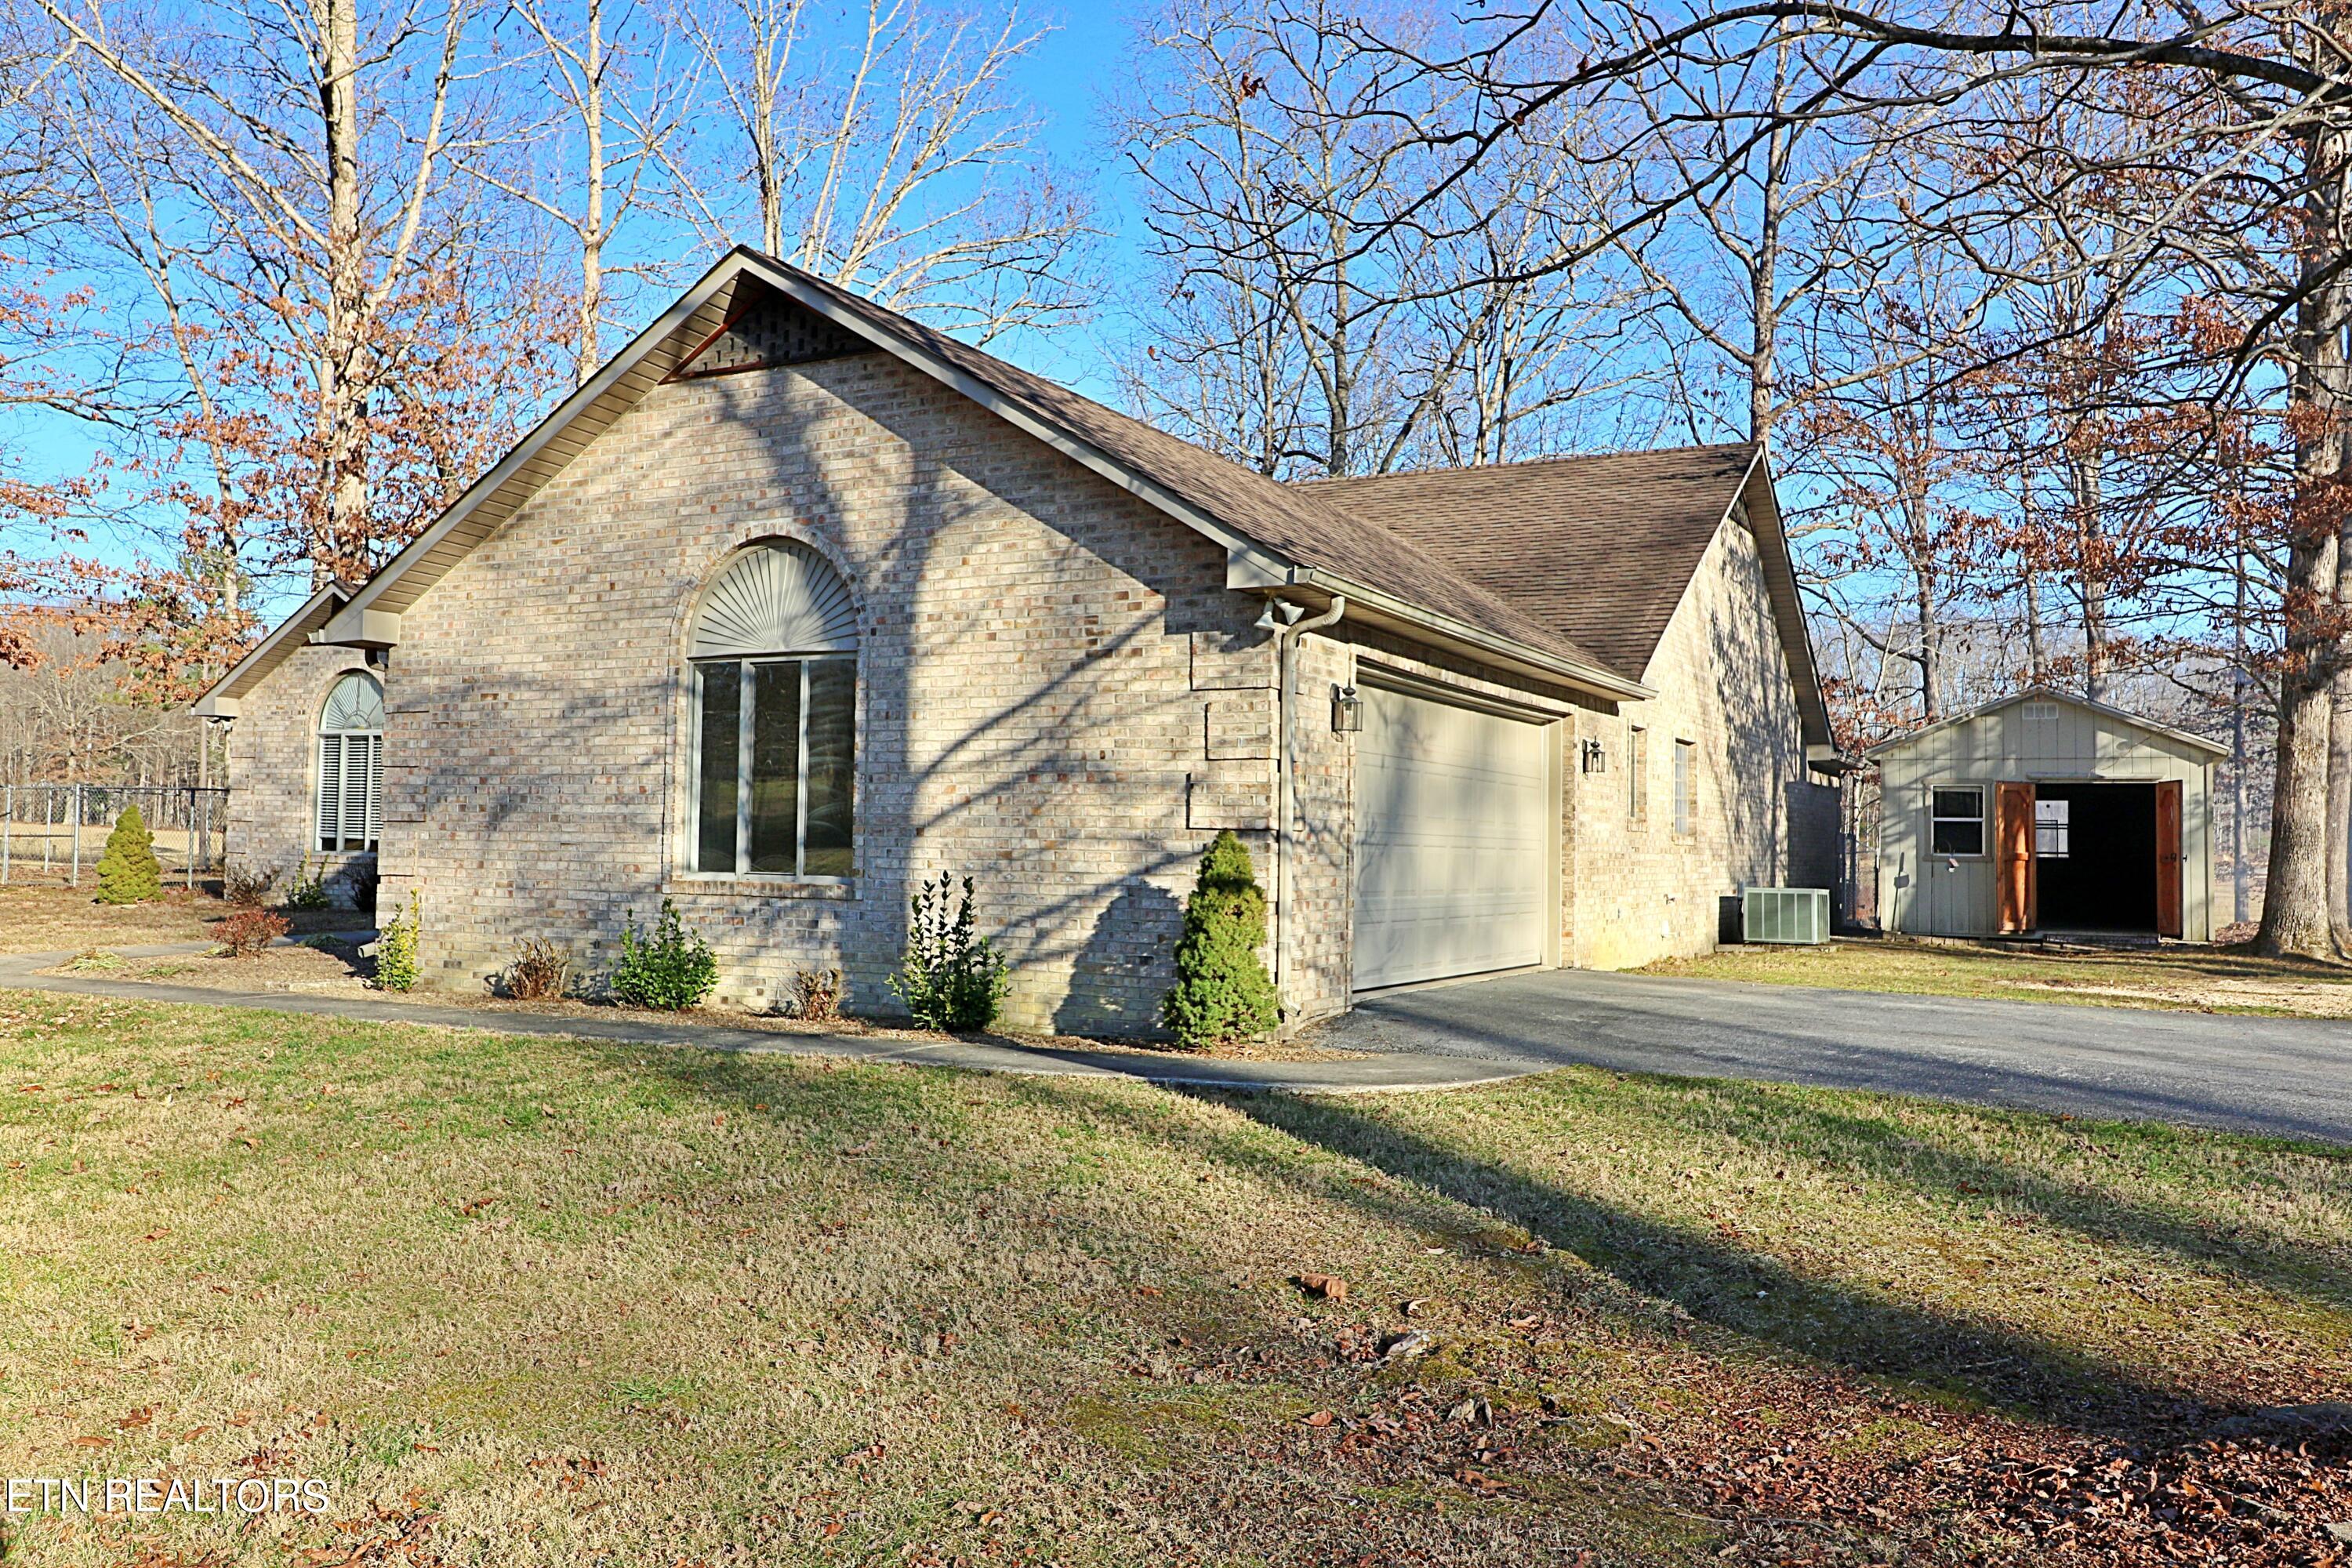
2012, 835
2167, 857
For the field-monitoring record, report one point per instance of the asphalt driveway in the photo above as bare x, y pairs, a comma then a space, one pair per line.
2285, 1075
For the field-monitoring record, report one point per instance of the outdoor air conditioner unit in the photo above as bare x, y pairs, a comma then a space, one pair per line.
1800, 915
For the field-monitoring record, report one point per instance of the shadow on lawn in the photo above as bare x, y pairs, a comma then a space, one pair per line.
1765, 1118
1731, 1288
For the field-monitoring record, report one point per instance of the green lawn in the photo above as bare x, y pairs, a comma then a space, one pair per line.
547, 1301
2216, 980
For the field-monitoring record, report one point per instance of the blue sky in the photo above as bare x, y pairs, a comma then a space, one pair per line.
1067, 80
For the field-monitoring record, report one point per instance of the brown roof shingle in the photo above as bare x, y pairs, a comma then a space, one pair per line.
1301, 523
1598, 549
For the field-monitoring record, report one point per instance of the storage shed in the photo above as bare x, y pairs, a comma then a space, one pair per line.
2046, 813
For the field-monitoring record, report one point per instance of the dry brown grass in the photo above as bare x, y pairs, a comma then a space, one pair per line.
548, 1301
2214, 980
67, 919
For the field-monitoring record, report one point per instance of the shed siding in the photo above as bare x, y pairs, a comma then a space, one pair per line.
1944, 896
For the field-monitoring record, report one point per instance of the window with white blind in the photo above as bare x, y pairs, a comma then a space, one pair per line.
1686, 789
775, 719
349, 789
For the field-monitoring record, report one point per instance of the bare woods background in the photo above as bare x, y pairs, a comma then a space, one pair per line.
2043, 311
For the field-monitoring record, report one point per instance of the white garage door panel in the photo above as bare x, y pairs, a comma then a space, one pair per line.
1452, 841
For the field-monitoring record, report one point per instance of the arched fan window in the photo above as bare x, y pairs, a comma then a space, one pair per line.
775, 709
351, 764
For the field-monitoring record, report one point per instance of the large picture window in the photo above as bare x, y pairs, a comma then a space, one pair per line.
350, 787
775, 707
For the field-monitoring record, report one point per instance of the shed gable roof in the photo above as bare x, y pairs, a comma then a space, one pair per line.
2112, 714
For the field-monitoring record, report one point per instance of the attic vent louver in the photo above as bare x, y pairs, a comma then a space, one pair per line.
770, 332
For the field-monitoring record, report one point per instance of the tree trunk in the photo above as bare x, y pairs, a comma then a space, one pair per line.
1763, 344
2240, 689
342, 389
591, 227
2297, 912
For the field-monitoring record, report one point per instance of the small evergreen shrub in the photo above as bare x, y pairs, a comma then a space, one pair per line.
671, 970
950, 977
129, 873
248, 933
395, 948
540, 972
1221, 992
310, 889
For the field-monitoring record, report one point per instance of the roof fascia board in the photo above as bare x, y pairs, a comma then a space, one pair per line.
265, 654
345, 625
1765, 523
1444, 631
1069, 445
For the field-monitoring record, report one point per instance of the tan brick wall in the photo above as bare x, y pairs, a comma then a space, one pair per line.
1642, 892
1057, 695
1031, 643
273, 766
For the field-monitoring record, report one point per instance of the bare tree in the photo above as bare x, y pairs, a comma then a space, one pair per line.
889, 153
1269, 140
619, 99
2247, 106
314, 238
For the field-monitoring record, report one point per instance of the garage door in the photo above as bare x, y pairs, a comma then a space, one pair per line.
1452, 841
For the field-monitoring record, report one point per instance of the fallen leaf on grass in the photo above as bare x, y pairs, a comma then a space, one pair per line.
157, 1234
1320, 1418
1326, 1286
93, 1442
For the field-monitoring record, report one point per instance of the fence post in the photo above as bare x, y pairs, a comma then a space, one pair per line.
191, 841
6, 822
76, 834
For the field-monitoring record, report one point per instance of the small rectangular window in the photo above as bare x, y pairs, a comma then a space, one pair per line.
1685, 788
1957, 821
721, 721
2053, 829
1637, 774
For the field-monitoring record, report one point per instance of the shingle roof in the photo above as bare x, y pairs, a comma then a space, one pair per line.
1598, 549
1302, 523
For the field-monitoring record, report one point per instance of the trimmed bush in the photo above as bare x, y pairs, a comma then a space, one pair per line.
248, 933
950, 977
1223, 992
671, 970
395, 948
249, 890
819, 1001
129, 873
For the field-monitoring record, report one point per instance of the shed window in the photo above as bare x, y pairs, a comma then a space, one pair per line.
349, 788
775, 704
1685, 788
1637, 774
2052, 828
1957, 821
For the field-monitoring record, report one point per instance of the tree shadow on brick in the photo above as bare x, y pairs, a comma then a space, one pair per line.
1120, 972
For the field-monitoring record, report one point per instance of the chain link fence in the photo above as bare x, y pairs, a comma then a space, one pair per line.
56, 832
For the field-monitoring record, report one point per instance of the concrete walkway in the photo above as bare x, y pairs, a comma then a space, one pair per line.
1365, 1074
2290, 1076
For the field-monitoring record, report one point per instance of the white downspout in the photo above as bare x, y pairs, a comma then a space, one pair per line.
1286, 637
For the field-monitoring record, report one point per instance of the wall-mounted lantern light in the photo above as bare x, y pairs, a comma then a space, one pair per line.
1596, 759
1346, 710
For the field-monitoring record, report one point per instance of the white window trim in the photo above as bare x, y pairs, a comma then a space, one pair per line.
742, 873
1684, 828
1984, 827
370, 833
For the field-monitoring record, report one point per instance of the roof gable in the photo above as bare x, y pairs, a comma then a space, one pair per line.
2120, 717
1286, 535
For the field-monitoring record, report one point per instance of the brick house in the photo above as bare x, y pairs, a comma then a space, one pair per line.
798, 602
